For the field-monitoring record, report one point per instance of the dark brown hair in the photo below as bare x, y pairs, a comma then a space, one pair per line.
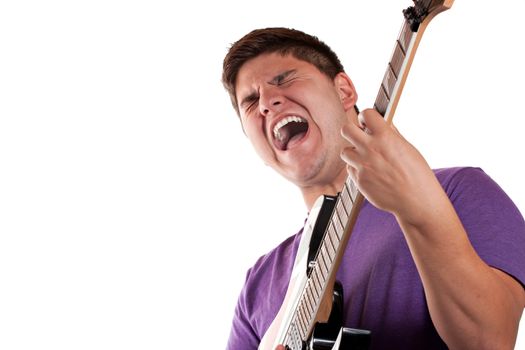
277, 40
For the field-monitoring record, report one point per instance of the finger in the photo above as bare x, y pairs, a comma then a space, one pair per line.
371, 121
351, 157
352, 173
353, 134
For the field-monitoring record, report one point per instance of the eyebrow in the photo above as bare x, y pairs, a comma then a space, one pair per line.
279, 77
274, 81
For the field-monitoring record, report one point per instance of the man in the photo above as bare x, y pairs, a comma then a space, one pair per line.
436, 258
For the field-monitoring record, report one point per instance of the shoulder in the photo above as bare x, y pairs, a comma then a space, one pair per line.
472, 185
474, 192
272, 264
470, 182
452, 176
263, 293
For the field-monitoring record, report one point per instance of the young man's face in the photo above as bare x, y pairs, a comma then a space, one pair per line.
293, 114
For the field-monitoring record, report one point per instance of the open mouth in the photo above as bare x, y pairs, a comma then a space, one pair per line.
288, 131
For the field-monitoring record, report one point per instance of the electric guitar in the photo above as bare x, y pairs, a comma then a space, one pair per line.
310, 316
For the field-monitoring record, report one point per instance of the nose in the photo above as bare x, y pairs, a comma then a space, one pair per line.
270, 101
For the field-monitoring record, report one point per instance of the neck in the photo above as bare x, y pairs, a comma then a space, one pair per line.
311, 193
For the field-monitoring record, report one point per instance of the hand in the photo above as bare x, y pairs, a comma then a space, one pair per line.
387, 169
280, 347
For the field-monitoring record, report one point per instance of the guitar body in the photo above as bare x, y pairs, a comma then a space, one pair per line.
332, 335
328, 332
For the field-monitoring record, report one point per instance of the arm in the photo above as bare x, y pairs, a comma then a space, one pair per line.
471, 304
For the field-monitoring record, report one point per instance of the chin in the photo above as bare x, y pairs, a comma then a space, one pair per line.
304, 176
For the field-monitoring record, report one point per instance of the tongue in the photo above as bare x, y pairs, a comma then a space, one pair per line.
295, 138
291, 133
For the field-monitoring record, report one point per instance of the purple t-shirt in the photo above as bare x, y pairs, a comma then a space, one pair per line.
382, 289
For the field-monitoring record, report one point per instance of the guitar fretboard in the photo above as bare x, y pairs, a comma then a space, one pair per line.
393, 70
322, 267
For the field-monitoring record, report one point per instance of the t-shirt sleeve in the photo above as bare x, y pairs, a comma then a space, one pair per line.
262, 295
493, 223
242, 335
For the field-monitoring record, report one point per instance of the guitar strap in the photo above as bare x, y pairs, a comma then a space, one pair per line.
319, 230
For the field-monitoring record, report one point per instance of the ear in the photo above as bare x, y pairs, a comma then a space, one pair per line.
346, 90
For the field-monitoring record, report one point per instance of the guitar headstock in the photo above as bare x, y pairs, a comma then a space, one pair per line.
424, 10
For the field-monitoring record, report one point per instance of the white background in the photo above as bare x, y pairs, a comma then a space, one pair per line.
131, 204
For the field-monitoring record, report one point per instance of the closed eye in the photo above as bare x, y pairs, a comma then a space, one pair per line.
285, 81
251, 104
283, 78
249, 101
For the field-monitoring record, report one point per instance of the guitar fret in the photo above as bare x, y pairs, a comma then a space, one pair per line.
326, 257
389, 81
340, 203
288, 340
307, 314
398, 44
337, 225
337, 219
297, 322
295, 339
341, 212
397, 59
329, 238
303, 321
381, 101
320, 282
385, 91
405, 36
338, 234
322, 275
330, 247
301, 315
323, 269
317, 283
309, 299
393, 69
346, 200
310, 306
333, 237
352, 188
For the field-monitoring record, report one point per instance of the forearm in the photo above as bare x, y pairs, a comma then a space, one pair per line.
470, 306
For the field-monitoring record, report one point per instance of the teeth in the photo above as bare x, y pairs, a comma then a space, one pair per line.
283, 122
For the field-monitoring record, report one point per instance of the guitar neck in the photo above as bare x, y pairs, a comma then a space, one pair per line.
329, 256
396, 72
404, 52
